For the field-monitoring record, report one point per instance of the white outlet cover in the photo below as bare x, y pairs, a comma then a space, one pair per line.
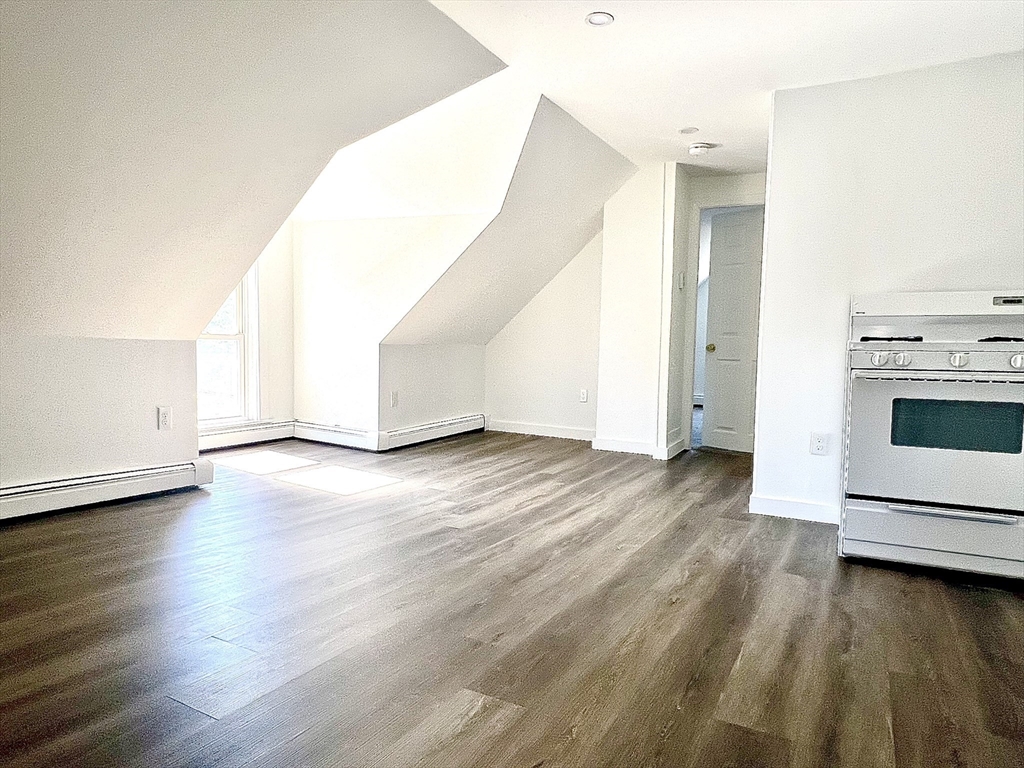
584, 395
820, 444
164, 417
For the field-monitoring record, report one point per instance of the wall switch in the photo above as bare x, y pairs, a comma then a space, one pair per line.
164, 417
394, 398
584, 395
820, 443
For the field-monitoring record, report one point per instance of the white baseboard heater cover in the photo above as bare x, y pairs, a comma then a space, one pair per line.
76, 492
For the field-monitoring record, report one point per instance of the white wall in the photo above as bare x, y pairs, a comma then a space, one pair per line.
433, 382
73, 407
354, 280
538, 363
382, 224
430, 236
276, 328
907, 182
674, 394
636, 279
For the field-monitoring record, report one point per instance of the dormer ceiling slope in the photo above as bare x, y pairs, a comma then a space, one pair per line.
149, 151
553, 208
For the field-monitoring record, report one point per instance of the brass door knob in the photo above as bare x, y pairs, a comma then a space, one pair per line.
710, 347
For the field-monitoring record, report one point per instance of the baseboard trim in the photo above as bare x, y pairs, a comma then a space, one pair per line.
541, 430
432, 430
349, 438
76, 492
245, 434
622, 446
792, 508
674, 449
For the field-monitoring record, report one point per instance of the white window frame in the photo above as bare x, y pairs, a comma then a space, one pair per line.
247, 311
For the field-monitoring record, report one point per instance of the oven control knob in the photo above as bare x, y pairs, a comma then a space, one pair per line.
901, 359
878, 359
1017, 361
958, 359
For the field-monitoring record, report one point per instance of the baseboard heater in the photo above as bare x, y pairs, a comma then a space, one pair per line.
34, 498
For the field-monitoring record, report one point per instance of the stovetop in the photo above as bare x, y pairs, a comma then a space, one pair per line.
972, 331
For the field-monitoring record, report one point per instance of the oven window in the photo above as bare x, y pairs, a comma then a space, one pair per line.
958, 425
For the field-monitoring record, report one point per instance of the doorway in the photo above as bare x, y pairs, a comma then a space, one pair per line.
725, 348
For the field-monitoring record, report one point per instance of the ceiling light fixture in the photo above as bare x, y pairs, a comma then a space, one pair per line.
700, 148
690, 129
599, 19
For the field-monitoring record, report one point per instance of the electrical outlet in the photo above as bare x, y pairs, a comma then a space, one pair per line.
584, 395
820, 443
394, 398
164, 417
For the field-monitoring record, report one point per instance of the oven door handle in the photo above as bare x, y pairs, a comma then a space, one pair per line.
955, 514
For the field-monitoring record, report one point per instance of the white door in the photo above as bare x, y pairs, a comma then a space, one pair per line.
731, 353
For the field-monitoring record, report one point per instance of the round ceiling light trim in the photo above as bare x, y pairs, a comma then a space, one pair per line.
599, 19
701, 148
689, 129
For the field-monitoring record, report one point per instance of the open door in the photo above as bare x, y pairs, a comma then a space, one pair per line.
731, 348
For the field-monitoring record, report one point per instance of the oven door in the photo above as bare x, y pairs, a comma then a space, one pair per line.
937, 438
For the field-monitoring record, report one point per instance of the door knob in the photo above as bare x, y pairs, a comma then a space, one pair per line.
710, 348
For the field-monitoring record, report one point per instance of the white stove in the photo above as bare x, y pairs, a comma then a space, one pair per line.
933, 460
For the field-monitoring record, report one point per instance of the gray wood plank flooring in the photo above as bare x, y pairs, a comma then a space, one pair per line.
514, 601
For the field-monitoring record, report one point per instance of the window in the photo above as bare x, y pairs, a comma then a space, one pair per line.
227, 359
958, 425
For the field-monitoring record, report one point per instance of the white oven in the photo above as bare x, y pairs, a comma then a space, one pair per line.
923, 437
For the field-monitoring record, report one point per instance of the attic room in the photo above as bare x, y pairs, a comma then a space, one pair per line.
499, 383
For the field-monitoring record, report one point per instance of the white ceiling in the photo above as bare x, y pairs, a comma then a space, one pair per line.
665, 65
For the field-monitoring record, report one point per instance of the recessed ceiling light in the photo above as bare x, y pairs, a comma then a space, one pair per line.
700, 148
690, 129
599, 19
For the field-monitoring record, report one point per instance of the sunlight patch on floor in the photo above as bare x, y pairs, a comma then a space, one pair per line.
340, 480
262, 462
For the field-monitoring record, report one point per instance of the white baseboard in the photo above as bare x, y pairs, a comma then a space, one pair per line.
622, 446
541, 430
674, 449
350, 438
396, 438
792, 508
75, 492
245, 434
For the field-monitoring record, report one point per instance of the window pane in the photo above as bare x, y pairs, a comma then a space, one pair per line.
226, 320
218, 374
958, 425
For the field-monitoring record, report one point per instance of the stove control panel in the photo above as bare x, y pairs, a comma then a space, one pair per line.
938, 360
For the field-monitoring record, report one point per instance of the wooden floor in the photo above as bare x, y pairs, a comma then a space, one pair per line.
515, 601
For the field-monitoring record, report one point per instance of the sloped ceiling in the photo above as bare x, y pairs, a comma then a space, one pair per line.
455, 157
552, 209
150, 150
